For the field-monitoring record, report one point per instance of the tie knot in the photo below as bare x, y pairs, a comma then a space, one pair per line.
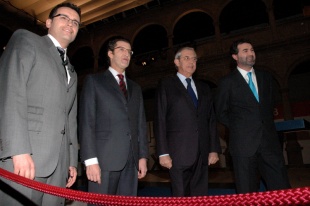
121, 77
249, 74
188, 80
61, 51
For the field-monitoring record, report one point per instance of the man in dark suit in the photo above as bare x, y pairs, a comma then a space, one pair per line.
112, 127
38, 109
253, 141
185, 127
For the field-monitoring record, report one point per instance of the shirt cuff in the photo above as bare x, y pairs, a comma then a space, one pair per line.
163, 155
91, 161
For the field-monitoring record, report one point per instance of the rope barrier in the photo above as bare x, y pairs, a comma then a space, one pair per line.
297, 196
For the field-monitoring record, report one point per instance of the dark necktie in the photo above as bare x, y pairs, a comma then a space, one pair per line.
122, 84
252, 87
191, 91
62, 55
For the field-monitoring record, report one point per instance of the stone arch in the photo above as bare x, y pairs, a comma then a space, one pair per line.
185, 29
146, 33
137, 31
254, 13
287, 8
154, 39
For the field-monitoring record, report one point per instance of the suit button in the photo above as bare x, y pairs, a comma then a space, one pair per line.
63, 131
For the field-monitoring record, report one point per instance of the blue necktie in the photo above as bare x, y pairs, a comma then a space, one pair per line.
252, 87
191, 92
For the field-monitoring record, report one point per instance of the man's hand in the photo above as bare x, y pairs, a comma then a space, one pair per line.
93, 173
213, 158
72, 176
24, 166
142, 168
165, 161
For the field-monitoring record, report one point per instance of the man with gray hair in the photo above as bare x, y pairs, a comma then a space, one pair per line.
185, 127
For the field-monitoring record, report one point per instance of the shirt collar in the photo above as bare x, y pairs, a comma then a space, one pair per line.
244, 73
115, 73
182, 77
55, 42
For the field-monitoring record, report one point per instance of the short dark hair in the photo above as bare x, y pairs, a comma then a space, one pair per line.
69, 5
112, 44
235, 44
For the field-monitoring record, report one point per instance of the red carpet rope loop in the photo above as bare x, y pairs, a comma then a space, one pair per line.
297, 196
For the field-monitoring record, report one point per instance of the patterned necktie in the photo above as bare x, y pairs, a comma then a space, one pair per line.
64, 62
62, 55
122, 84
252, 87
191, 92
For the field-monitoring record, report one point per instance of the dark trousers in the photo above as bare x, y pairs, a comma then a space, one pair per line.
269, 165
189, 181
123, 182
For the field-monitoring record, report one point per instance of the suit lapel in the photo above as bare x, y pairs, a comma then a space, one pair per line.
73, 76
260, 84
183, 91
55, 55
243, 84
113, 83
129, 88
199, 93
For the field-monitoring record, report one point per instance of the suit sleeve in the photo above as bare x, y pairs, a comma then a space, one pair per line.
143, 141
73, 134
15, 67
214, 138
87, 115
222, 102
160, 130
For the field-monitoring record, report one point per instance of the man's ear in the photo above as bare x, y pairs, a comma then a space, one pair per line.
234, 56
177, 62
48, 23
110, 54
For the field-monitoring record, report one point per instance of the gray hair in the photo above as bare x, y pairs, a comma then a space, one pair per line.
178, 54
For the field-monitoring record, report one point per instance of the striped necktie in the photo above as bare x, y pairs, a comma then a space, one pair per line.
122, 84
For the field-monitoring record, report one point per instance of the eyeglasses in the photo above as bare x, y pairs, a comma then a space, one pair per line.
122, 49
187, 58
66, 19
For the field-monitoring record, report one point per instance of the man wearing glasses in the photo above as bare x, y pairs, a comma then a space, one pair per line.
38, 109
185, 127
112, 127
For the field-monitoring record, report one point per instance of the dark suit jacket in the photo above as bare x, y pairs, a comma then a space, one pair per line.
250, 122
181, 130
110, 126
37, 106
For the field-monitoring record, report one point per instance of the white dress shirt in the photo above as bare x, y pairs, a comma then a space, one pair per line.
246, 77
57, 44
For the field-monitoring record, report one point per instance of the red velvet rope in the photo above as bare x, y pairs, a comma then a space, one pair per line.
297, 196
